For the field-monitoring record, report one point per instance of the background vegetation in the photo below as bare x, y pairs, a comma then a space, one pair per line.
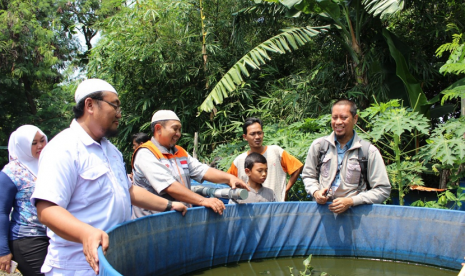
217, 62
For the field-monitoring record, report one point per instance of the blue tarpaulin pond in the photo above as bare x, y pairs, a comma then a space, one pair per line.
170, 244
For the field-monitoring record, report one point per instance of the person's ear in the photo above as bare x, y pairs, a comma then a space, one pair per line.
244, 136
356, 118
157, 127
89, 105
247, 171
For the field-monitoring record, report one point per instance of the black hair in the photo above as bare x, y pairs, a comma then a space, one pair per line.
250, 121
253, 158
140, 138
78, 109
162, 123
353, 106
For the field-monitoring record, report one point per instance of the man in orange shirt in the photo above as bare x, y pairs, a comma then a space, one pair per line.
280, 162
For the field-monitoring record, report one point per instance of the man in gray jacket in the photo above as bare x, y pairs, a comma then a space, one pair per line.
338, 178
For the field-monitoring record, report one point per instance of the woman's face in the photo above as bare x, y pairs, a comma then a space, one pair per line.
38, 144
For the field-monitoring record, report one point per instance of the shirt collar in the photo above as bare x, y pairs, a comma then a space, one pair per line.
83, 135
348, 145
163, 149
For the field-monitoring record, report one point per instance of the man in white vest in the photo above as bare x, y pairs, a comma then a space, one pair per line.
280, 162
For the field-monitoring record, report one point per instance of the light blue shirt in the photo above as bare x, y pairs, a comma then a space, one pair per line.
340, 157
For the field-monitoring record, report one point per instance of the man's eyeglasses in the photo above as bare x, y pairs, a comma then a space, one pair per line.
116, 107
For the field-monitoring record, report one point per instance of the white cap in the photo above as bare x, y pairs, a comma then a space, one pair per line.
164, 115
90, 86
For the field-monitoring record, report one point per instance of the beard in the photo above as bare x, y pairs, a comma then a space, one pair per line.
338, 137
111, 133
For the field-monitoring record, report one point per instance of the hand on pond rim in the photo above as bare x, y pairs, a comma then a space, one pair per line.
91, 240
215, 204
178, 206
340, 205
320, 197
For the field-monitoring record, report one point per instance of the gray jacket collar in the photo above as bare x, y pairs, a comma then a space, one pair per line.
355, 144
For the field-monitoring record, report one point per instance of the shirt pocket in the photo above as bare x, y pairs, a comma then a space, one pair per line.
325, 167
353, 172
96, 184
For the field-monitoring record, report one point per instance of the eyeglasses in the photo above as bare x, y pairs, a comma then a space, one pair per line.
116, 107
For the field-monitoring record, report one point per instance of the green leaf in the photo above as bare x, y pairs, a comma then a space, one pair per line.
399, 120
288, 3
450, 196
330, 8
384, 8
417, 98
308, 261
254, 59
308, 6
455, 90
446, 143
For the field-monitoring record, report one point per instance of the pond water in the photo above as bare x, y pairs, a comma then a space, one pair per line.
331, 265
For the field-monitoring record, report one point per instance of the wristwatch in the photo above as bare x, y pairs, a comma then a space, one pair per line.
169, 206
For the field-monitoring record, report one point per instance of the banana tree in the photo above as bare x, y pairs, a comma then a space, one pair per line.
347, 20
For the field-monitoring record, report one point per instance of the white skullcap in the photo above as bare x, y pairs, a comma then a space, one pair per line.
90, 86
164, 115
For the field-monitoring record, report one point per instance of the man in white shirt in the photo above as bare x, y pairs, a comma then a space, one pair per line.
82, 188
165, 169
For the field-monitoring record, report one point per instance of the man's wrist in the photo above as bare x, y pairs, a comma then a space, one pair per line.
169, 206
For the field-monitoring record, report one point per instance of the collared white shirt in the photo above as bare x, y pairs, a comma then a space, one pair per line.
156, 175
89, 180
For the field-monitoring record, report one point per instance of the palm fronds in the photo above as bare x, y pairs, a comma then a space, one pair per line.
384, 8
287, 41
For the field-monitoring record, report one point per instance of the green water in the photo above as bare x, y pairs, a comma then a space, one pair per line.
331, 265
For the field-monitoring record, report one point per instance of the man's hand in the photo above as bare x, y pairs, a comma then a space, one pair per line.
215, 204
5, 262
178, 206
320, 197
91, 239
235, 182
340, 205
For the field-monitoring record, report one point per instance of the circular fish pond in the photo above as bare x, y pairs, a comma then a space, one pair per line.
170, 244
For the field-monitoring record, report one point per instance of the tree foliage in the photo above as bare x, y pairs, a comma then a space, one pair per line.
348, 18
152, 52
34, 49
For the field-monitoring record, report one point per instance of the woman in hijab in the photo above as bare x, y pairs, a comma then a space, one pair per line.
24, 238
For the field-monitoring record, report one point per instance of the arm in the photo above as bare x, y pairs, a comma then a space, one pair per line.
233, 169
183, 194
199, 172
7, 197
145, 199
65, 225
309, 172
217, 176
161, 179
293, 167
292, 181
